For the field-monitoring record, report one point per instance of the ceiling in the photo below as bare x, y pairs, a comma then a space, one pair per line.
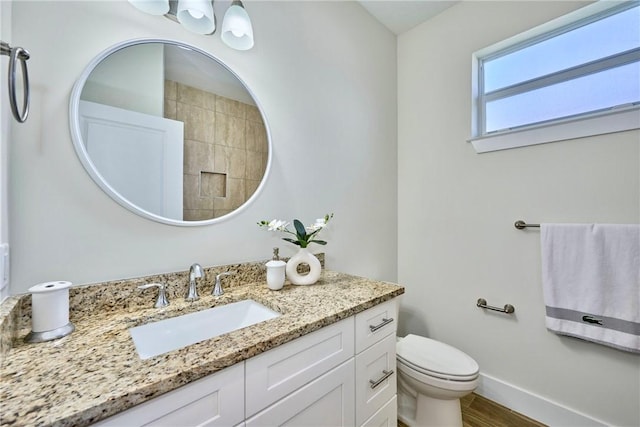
402, 15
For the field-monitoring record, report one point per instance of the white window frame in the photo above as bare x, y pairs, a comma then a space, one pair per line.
595, 123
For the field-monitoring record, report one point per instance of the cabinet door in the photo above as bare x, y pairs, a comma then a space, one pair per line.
375, 377
376, 323
272, 375
216, 400
387, 416
326, 401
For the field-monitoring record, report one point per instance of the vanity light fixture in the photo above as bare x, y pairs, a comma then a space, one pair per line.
198, 16
237, 32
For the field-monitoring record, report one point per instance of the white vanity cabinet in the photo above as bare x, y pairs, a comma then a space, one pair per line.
341, 375
215, 400
375, 358
387, 416
325, 401
360, 392
278, 372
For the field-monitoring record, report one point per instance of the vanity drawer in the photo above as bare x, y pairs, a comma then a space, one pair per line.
210, 401
387, 416
376, 323
326, 401
272, 375
375, 377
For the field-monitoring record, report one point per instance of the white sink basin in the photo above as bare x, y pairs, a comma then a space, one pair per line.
166, 335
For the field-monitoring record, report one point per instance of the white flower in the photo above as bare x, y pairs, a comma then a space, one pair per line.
302, 236
277, 225
319, 224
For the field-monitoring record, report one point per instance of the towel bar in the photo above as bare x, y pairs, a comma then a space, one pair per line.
508, 308
521, 225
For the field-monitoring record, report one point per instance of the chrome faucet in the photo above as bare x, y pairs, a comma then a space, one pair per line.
162, 300
195, 272
217, 289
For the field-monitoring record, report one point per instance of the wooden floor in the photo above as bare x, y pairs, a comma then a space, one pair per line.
478, 411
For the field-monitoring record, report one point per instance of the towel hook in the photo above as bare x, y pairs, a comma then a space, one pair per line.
17, 54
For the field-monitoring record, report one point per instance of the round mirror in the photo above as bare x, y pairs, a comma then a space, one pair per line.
169, 132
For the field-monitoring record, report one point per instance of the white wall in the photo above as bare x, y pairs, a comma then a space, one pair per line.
325, 73
132, 79
5, 120
456, 212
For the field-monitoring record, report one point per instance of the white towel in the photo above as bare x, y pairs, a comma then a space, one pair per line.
591, 282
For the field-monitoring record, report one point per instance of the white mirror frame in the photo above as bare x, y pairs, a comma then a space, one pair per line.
83, 155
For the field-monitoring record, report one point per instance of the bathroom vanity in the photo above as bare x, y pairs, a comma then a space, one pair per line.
329, 359
327, 377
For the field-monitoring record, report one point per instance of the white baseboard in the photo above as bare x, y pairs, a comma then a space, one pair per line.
532, 405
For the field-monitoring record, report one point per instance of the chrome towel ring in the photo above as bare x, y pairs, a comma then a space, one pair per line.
16, 54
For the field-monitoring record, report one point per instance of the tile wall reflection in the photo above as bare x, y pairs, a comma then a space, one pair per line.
225, 149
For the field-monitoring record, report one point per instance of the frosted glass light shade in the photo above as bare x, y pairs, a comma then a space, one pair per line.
237, 32
196, 16
152, 7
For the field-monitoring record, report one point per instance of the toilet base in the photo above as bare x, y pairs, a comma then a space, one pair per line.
437, 412
406, 408
425, 411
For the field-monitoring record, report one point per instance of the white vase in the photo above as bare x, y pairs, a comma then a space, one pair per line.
303, 257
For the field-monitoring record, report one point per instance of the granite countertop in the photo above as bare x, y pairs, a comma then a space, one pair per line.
95, 372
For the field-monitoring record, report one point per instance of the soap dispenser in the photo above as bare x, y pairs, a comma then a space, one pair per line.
275, 271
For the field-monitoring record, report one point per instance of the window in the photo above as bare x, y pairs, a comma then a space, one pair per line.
576, 76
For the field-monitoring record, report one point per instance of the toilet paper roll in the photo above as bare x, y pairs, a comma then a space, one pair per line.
49, 306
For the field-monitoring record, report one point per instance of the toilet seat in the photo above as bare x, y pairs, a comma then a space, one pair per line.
436, 359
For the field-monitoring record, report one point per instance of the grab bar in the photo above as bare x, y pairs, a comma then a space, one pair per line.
16, 54
508, 308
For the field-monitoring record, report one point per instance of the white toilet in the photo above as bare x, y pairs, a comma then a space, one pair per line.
432, 377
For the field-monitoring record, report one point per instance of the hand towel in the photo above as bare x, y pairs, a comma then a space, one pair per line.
591, 282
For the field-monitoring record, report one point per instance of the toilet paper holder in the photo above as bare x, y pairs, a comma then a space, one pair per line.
54, 334
49, 312
508, 308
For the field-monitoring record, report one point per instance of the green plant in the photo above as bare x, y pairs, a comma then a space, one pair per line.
303, 235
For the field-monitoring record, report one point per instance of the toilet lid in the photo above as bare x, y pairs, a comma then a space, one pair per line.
437, 359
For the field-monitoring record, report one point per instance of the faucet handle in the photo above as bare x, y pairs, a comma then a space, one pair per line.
217, 289
162, 300
226, 273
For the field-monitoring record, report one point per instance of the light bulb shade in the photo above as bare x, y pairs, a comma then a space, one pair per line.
196, 16
152, 7
237, 32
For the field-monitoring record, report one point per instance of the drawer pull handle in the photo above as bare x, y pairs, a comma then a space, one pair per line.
385, 375
382, 324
